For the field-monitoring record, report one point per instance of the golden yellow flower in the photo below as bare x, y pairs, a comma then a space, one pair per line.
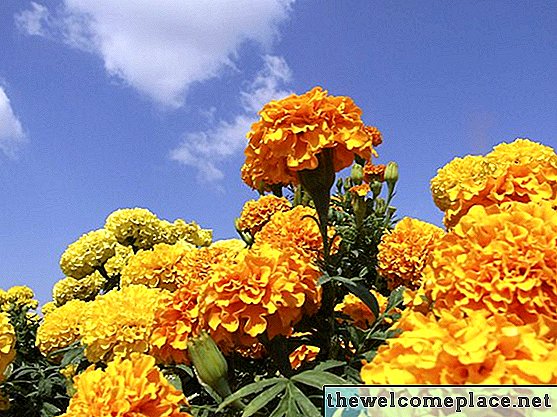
7, 343
256, 213
520, 171
188, 232
114, 265
264, 290
303, 354
176, 321
501, 259
88, 253
126, 388
360, 190
19, 297
293, 131
120, 322
403, 252
358, 313
295, 229
84, 289
60, 327
455, 349
48, 307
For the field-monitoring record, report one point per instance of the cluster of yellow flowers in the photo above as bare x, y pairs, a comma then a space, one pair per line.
256, 213
127, 387
520, 171
403, 252
85, 288
293, 131
19, 297
7, 343
486, 310
455, 349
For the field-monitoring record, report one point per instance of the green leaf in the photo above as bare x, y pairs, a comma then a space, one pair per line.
304, 404
248, 390
264, 398
72, 356
361, 292
50, 410
174, 380
395, 298
323, 366
317, 379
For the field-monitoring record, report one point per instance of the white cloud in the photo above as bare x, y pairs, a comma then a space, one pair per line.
206, 150
12, 135
160, 47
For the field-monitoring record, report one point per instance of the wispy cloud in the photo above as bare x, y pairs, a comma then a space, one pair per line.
206, 150
12, 135
160, 47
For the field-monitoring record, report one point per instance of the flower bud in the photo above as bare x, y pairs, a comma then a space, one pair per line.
391, 173
375, 188
357, 174
209, 363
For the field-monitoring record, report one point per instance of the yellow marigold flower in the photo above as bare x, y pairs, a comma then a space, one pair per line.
501, 259
360, 314
520, 171
48, 308
160, 267
189, 232
126, 388
256, 213
265, 290
19, 297
294, 229
176, 322
303, 354
69, 371
61, 327
293, 131
458, 350
136, 227
88, 253
114, 265
120, 322
84, 289
403, 252
7, 343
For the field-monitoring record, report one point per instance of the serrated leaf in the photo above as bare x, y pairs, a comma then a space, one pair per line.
248, 390
304, 404
264, 398
361, 292
317, 379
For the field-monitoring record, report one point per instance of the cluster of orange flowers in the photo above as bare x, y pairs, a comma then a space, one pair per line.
293, 131
256, 213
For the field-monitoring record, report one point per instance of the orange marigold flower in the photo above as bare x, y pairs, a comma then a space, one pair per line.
126, 388
256, 213
520, 171
120, 322
7, 343
451, 349
374, 172
266, 290
293, 131
294, 230
501, 259
303, 354
360, 190
360, 314
60, 327
403, 252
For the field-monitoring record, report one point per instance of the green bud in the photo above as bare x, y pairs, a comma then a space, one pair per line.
391, 173
357, 174
376, 187
209, 363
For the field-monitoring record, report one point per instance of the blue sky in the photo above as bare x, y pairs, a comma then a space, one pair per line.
107, 104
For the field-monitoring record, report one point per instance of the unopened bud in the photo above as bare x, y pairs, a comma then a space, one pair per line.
357, 174
375, 188
391, 173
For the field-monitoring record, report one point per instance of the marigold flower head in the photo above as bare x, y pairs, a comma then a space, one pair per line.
295, 229
84, 289
356, 310
188, 232
360, 190
19, 297
262, 290
520, 171
303, 354
48, 307
403, 252
114, 265
374, 172
455, 349
7, 343
126, 388
293, 131
61, 327
501, 259
256, 213
120, 322
88, 253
